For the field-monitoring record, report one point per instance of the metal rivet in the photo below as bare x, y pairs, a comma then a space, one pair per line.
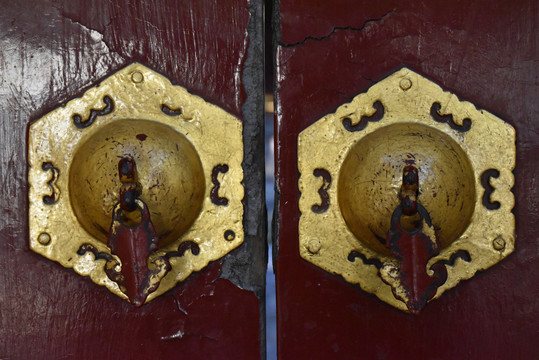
405, 84
498, 243
230, 235
314, 246
44, 238
137, 77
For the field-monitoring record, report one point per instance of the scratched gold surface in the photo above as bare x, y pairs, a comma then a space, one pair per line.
175, 156
366, 171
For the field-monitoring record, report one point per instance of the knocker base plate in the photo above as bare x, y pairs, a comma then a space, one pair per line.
351, 165
188, 153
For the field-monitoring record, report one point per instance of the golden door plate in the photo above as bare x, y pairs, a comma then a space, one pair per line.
188, 155
351, 165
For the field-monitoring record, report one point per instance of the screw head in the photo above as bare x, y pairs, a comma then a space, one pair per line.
314, 246
405, 84
44, 238
137, 77
498, 243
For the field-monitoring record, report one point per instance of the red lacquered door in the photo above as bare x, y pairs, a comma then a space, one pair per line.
485, 52
53, 51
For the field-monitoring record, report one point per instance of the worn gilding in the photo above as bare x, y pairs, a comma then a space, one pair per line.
178, 140
351, 164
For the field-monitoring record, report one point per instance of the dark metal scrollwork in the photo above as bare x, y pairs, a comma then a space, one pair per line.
489, 189
167, 110
214, 193
323, 191
82, 124
55, 192
365, 119
448, 119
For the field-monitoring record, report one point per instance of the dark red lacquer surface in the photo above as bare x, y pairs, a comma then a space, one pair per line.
483, 51
51, 51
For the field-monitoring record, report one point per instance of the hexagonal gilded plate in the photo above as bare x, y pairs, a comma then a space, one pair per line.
189, 155
351, 165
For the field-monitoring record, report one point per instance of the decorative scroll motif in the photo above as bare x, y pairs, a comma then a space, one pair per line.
356, 254
161, 263
55, 192
448, 119
82, 124
323, 191
485, 182
182, 248
364, 120
459, 254
111, 264
170, 111
214, 193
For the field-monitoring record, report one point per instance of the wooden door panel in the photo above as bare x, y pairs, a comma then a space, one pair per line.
51, 51
326, 53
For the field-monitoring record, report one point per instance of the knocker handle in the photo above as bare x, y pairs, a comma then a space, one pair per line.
413, 248
133, 240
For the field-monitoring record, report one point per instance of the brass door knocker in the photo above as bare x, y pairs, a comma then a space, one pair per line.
406, 191
136, 184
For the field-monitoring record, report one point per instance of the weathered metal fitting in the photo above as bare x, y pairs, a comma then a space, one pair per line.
351, 167
188, 178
